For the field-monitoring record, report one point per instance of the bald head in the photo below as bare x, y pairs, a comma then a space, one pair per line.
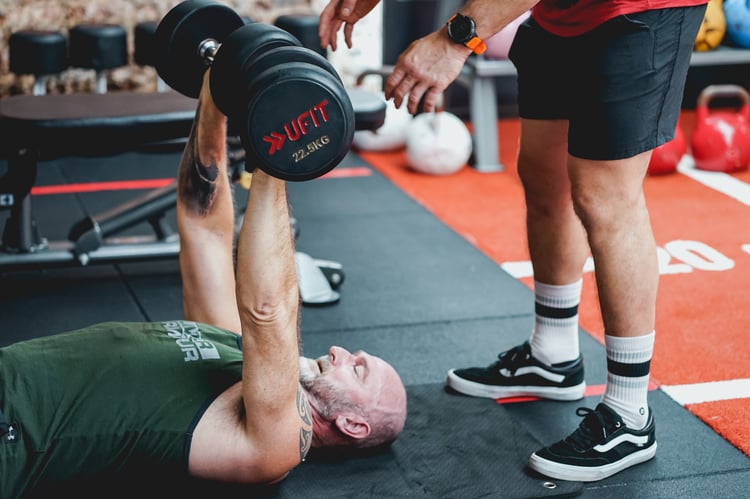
360, 395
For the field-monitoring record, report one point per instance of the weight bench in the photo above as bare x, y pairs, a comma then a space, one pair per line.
43, 127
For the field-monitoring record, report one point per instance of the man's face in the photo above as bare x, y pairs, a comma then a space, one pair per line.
341, 375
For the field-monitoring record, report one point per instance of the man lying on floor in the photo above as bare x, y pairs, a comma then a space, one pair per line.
223, 395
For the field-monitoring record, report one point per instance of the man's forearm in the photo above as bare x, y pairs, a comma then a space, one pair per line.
205, 220
267, 287
265, 254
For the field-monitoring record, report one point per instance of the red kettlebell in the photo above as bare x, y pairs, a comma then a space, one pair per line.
665, 158
721, 139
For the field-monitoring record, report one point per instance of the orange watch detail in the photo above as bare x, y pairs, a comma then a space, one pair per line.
477, 45
462, 29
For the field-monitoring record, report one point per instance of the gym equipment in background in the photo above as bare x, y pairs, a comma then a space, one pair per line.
42, 53
389, 137
737, 13
38, 128
438, 143
101, 47
47, 127
144, 49
667, 156
721, 138
713, 28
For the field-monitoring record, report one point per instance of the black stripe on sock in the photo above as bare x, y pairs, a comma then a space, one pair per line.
555, 313
628, 370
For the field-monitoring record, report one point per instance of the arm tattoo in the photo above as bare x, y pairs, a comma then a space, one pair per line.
197, 182
305, 434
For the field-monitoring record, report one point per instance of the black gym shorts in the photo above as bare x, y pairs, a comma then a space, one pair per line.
619, 85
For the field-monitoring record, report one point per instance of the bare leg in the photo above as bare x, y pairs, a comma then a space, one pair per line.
607, 196
557, 241
205, 220
609, 199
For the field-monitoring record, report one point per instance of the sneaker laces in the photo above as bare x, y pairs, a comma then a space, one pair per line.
514, 358
593, 429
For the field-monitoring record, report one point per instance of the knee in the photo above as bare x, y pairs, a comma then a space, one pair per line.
603, 211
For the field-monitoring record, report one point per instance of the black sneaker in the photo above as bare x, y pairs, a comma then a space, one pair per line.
518, 374
600, 447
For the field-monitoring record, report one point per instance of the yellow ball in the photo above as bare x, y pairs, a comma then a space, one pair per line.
714, 27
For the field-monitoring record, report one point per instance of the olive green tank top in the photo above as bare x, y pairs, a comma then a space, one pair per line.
109, 398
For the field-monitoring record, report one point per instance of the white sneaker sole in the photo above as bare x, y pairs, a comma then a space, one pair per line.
496, 392
589, 474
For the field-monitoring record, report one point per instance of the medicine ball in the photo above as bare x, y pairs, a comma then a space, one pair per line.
438, 143
737, 14
712, 30
390, 136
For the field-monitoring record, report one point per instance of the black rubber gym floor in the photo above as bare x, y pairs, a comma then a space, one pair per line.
415, 293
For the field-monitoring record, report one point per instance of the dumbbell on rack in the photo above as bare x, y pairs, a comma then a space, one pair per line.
287, 103
101, 47
42, 53
144, 54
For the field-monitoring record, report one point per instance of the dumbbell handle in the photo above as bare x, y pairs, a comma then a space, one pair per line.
207, 50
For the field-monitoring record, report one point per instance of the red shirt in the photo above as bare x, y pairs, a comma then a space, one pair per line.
571, 17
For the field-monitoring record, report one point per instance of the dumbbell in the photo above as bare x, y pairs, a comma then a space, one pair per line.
40, 53
289, 106
100, 47
144, 34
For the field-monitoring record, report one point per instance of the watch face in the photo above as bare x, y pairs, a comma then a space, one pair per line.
461, 29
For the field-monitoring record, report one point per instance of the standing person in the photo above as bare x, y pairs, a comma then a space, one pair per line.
600, 85
223, 395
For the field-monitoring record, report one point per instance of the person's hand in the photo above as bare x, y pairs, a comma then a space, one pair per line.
338, 13
425, 69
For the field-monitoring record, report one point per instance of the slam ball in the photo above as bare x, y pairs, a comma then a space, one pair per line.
438, 143
390, 136
737, 13
713, 28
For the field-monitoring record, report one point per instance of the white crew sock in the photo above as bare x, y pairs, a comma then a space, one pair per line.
555, 336
628, 368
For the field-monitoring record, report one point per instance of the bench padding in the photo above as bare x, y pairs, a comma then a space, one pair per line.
92, 124
85, 124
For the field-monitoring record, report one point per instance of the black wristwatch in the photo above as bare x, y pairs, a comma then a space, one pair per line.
462, 29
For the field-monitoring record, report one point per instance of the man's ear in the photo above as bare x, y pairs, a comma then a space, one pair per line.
353, 426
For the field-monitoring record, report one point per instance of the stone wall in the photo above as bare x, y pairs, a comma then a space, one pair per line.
63, 14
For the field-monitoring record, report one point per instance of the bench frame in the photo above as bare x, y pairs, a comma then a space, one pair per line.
53, 126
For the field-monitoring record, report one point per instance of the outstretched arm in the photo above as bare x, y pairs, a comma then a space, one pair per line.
205, 221
277, 414
260, 428
431, 63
